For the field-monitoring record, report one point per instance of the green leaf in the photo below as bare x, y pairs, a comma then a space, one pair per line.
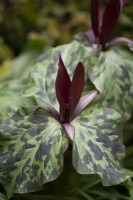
112, 75
97, 146
32, 147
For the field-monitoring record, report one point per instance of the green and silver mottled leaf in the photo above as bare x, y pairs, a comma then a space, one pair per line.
41, 82
112, 75
31, 151
97, 146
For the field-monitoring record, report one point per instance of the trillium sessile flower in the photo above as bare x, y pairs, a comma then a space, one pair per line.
101, 31
69, 96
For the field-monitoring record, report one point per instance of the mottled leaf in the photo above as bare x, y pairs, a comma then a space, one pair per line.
112, 75
32, 147
97, 146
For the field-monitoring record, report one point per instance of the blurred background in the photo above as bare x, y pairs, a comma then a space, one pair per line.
28, 28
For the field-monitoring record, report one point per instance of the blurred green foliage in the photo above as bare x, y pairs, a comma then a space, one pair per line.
28, 24
31, 27
34, 24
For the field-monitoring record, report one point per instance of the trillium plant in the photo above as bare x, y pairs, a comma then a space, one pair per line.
102, 30
77, 101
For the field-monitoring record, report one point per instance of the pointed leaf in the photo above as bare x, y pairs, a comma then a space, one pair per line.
77, 86
110, 19
97, 146
95, 16
32, 147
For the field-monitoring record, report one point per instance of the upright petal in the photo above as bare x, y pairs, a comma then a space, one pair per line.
62, 87
95, 16
63, 82
110, 19
77, 86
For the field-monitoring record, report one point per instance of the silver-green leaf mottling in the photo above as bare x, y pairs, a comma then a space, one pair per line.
112, 75
97, 146
32, 147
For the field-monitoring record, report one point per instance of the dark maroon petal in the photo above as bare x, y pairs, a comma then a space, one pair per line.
77, 86
63, 83
95, 16
83, 102
110, 19
62, 86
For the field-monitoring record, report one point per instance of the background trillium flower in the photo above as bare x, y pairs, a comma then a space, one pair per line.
101, 31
